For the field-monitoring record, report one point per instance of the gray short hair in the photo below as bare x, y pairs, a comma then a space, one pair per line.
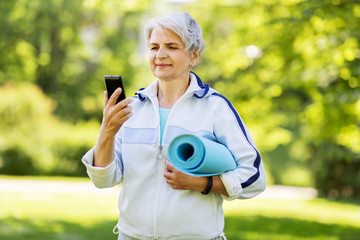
184, 25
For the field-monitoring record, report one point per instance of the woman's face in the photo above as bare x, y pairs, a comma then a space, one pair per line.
168, 58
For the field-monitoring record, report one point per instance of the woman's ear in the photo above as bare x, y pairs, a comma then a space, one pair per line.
195, 56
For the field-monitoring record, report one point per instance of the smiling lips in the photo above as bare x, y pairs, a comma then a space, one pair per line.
163, 65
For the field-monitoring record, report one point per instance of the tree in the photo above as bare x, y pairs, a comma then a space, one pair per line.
66, 47
291, 68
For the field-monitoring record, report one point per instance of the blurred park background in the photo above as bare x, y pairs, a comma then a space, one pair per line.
290, 67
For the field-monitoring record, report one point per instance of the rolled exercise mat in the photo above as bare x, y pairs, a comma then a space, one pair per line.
200, 156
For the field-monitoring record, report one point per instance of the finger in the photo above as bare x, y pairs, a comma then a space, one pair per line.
166, 170
121, 109
106, 98
167, 162
122, 104
167, 175
114, 96
120, 113
169, 166
125, 117
169, 182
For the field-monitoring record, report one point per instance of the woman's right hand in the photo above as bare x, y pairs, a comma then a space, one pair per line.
114, 116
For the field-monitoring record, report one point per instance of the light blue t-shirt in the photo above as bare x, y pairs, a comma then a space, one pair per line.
164, 114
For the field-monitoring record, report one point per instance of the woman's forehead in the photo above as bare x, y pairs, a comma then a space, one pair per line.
164, 35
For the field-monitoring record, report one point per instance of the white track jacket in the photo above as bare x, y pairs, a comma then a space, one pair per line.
149, 207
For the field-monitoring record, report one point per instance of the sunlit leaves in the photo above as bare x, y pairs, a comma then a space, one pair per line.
308, 71
290, 67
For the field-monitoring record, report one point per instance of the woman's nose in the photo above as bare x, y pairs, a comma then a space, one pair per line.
161, 53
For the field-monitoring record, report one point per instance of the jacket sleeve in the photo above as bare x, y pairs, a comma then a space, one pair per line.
248, 179
104, 177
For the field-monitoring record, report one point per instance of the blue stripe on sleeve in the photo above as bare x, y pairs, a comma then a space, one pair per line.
257, 161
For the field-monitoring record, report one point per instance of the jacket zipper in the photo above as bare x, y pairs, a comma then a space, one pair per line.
159, 157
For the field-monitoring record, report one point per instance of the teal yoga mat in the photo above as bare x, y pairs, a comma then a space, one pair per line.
200, 156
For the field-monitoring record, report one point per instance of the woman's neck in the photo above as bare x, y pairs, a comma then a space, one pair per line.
170, 91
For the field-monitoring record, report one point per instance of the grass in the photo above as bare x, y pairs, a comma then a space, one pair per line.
292, 219
54, 216
57, 216
52, 178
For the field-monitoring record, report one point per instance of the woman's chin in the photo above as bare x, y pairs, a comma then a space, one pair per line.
162, 75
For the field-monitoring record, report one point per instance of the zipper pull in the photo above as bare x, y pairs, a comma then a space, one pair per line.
160, 155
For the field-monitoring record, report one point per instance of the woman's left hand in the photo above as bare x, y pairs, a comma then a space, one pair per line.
182, 181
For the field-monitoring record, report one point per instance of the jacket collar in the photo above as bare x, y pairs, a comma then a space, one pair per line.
196, 86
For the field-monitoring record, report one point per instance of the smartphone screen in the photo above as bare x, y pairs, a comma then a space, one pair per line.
113, 82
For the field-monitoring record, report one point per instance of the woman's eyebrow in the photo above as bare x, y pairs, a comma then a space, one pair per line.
172, 43
167, 44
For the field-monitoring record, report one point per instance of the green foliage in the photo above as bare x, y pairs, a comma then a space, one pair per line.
289, 67
24, 115
33, 141
66, 47
70, 143
297, 89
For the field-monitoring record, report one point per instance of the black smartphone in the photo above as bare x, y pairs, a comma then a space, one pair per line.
113, 82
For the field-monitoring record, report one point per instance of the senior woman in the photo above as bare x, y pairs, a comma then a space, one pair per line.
157, 201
